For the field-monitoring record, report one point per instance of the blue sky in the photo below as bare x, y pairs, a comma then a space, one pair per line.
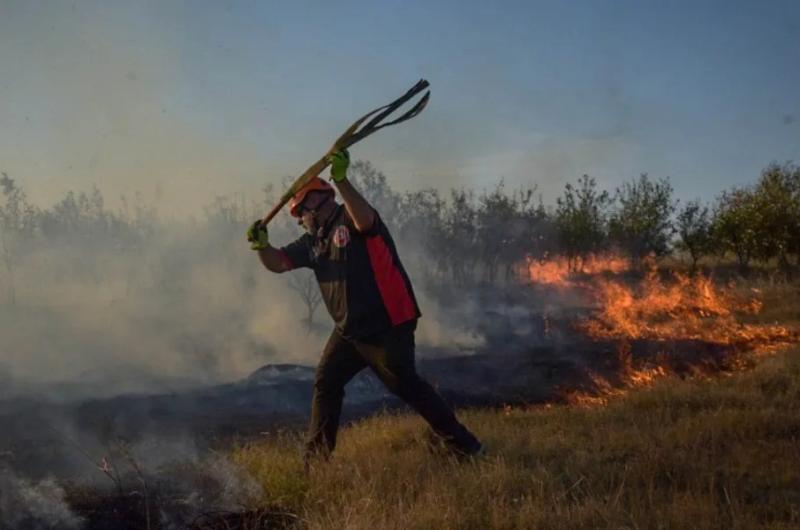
187, 100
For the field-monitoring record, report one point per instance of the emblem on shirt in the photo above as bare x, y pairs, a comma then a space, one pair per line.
341, 237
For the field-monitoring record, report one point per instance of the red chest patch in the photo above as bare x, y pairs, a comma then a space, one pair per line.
341, 237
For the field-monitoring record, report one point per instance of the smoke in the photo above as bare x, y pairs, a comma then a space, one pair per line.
234, 487
117, 96
448, 328
98, 312
28, 504
167, 475
458, 339
113, 96
185, 308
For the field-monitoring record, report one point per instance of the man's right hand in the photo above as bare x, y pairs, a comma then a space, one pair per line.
340, 161
258, 236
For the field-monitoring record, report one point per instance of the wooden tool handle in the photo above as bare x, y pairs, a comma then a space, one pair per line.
353, 135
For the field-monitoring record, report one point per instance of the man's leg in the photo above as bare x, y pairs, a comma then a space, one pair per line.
391, 356
339, 363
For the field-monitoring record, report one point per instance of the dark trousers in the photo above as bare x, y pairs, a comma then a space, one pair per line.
391, 356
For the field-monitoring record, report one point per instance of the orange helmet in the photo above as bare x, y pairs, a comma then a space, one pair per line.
315, 184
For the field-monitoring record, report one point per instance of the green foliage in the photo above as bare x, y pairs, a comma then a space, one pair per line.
467, 237
776, 199
581, 218
460, 227
735, 224
761, 222
483, 236
641, 224
504, 224
463, 237
694, 228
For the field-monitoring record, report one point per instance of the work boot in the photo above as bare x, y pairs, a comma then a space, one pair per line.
436, 445
461, 454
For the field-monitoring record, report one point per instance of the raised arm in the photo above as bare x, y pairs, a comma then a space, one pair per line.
272, 258
360, 211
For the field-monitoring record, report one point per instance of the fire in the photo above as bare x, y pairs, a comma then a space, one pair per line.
560, 271
681, 308
678, 307
681, 311
602, 389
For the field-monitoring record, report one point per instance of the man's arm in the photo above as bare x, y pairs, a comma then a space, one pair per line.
362, 214
360, 211
274, 260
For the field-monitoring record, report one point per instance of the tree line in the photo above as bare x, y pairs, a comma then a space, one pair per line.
485, 235
465, 235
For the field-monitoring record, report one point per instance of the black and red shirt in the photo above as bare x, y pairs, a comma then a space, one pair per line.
364, 285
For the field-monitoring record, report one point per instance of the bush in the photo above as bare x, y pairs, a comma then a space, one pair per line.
735, 225
580, 220
641, 225
694, 228
776, 199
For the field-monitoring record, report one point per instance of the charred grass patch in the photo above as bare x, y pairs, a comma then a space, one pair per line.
695, 453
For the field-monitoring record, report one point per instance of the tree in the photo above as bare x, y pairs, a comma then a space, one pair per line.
580, 219
376, 190
641, 224
794, 232
17, 225
540, 238
82, 219
506, 231
420, 221
776, 198
459, 236
694, 229
496, 228
735, 223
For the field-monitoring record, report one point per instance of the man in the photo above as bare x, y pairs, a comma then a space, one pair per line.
370, 298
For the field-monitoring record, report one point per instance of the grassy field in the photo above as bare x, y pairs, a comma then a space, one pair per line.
713, 453
719, 450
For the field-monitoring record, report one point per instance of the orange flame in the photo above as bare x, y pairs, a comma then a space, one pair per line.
560, 271
673, 308
684, 308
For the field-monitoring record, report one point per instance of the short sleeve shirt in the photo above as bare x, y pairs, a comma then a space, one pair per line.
363, 283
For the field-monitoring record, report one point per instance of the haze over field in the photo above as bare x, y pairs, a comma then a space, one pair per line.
189, 102
185, 101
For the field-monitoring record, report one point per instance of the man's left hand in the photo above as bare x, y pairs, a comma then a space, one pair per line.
258, 236
340, 161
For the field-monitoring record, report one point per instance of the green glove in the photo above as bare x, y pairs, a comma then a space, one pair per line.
258, 236
339, 160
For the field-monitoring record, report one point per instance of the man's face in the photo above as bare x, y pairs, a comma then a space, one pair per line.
313, 201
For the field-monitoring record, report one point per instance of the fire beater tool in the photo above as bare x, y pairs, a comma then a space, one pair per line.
355, 134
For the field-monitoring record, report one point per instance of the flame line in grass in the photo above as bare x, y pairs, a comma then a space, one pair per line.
677, 308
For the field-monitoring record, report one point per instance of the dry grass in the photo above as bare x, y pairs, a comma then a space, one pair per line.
781, 300
721, 453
